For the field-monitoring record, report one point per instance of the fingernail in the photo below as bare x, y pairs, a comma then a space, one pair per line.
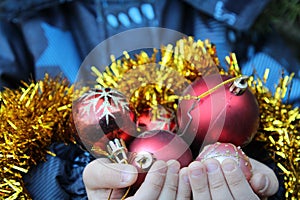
184, 175
197, 171
160, 166
125, 177
211, 167
186, 179
263, 184
174, 167
229, 166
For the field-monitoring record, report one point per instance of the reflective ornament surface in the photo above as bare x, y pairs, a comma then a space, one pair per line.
222, 151
229, 113
101, 115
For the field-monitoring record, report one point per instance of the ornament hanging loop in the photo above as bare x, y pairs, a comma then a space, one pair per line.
239, 86
118, 151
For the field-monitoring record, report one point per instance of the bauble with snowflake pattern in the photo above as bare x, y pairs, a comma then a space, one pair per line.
101, 115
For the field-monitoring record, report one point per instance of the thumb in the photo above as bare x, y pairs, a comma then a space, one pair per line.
263, 181
101, 174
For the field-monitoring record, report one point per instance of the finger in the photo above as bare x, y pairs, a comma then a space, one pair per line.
169, 189
263, 181
99, 174
216, 181
153, 183
198, 180
236, 181
105, 194
184, 188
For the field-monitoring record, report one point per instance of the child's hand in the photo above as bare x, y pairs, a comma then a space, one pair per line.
161, 182
212, 180
264, 181
208, 180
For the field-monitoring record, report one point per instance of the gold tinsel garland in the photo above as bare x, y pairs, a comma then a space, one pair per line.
34, 117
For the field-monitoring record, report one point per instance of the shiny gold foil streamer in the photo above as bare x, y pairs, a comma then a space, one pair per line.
190, 58
32, 118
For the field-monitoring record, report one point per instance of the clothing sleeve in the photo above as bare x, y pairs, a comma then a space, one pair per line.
15, 61
239, 15
60, 177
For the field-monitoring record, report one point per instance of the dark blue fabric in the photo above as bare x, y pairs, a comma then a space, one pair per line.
60, 177
239, 15
42, 36
60, 51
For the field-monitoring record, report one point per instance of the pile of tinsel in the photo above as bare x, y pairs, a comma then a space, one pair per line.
32, 118
35, 116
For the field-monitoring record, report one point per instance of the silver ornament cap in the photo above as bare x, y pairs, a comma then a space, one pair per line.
239, 86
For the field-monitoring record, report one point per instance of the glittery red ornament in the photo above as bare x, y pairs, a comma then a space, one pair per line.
228, 114
157, 145
160, 119
222, 151
101, 115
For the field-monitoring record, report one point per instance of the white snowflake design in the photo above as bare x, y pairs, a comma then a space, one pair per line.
107, 94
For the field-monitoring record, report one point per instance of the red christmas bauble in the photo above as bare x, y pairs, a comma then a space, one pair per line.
101, 115
228, 114
222, 151
159, 119
157, 145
